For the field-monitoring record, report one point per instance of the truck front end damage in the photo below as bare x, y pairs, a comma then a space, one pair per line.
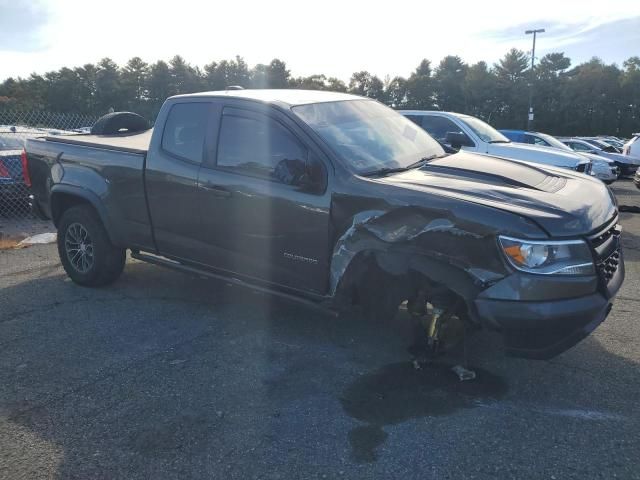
448, 266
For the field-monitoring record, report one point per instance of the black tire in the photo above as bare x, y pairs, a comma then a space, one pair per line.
119, 122
106, 262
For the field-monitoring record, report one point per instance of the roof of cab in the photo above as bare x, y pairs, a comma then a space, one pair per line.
282, 97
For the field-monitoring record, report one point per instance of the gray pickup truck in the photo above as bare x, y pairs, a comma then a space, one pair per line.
336, 200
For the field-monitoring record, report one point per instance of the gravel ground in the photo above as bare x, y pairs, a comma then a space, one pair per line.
164, 375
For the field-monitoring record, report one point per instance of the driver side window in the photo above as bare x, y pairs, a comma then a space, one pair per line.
259, 146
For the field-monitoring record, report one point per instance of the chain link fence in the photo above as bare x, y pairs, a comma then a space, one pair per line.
16, 218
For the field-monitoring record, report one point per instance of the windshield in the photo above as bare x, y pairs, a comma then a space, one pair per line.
591, 143
599, 143
485, 131
367, 135
554, 142
10, 141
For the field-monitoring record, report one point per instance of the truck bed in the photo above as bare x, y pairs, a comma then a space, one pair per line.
127, 142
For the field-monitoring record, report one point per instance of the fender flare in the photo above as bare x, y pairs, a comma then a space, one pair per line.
86, 196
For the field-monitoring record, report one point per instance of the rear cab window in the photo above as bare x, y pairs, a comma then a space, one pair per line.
184, 131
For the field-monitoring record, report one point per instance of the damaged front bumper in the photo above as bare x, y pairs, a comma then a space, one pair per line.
542, 329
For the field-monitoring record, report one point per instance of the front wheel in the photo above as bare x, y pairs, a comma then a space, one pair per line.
86, 253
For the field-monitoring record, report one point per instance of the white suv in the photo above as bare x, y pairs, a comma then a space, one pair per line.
632, 147
470, 133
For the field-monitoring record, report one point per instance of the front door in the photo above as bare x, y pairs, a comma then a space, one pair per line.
264, 203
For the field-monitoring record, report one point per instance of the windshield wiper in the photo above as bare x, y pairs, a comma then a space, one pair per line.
499, 141
383, 171
388, 170
424, 160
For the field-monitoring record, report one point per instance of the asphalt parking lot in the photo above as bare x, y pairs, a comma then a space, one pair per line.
164, 375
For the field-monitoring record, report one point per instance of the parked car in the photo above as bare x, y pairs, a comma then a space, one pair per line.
627, 164
333, 200
632, 147
613, 141
468, 133
600, 143
14, 191
601, 168
636, 178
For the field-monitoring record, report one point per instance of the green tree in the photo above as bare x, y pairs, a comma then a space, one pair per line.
512, 88
159, 86
396, 92
367, 85
184, 77
135, 76
630, 97
85, 100
318, 82
420, 91
594, 100
591, 98
449, 81
480, 91
277, 74
62, 91
108, 88
214, 77
223, 74
549, 95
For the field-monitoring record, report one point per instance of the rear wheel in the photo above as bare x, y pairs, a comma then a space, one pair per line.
86, 253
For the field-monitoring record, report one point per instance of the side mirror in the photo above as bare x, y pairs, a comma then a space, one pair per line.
307, 175
315, 178
458, 140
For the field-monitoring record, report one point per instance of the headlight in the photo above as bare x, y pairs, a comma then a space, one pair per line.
568, 257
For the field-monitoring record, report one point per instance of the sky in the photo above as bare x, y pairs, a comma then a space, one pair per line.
334, 37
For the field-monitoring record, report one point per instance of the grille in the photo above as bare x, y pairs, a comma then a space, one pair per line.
608, 267
606, 245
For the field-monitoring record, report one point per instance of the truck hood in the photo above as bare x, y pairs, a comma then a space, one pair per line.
561, 202
533, 153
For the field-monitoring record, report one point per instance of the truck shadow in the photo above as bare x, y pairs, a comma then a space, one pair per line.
164, 373
630, 246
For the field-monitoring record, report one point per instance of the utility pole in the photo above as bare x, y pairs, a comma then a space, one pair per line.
531, 76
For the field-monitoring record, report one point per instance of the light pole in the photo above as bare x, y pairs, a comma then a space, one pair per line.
533, 57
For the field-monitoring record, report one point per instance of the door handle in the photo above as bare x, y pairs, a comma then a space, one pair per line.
216, 190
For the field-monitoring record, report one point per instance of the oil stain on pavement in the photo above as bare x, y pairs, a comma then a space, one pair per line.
398, 392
